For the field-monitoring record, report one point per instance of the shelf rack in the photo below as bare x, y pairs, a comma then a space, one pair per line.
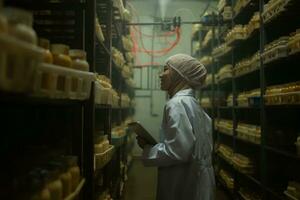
279, 126
68, 126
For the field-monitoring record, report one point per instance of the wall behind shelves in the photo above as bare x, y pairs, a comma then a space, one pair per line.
189, 11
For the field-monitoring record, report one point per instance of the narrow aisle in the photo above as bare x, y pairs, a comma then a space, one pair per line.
141, 184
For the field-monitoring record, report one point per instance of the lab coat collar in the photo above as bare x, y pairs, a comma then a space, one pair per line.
185, 92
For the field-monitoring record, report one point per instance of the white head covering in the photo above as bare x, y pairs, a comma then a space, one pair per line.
189, 68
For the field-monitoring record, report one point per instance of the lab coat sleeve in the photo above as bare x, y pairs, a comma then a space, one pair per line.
178, 142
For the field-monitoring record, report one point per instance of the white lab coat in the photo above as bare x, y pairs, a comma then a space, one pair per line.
183, 156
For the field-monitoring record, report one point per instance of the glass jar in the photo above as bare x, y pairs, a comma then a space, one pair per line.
47, 55
79, 60
61, 55
20, 24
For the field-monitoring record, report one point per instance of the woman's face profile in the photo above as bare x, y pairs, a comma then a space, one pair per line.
165, 78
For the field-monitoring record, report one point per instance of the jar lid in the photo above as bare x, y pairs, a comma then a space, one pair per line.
77, 53
18, 16
60, 49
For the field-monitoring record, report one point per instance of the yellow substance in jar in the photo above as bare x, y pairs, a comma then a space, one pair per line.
66, 179
47, 56
62, 60
75, 171
56, 189
61, 55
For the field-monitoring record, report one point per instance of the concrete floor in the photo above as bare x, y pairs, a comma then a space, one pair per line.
141, 184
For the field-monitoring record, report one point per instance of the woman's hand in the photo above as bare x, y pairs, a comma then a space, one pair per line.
141, 142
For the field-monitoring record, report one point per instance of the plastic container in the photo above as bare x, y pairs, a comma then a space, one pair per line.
20, 24
79, 60
61, 55
103, 90
65, 83
101, 159
18, 63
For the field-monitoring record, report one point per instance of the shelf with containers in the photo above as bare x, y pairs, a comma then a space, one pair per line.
51, 117
261, 101
116, 80
43, 105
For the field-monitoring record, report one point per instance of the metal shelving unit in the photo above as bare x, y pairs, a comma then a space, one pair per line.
68, 126
278, 122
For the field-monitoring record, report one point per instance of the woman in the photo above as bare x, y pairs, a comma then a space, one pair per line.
183, 156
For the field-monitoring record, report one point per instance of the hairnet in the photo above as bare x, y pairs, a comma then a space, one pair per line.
189, 68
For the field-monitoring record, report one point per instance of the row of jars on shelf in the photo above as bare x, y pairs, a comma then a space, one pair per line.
126, 41
23, 55
207, 38
244, 131
242, 98
102, 143
292, 190
240, 162
103, 150
283, 94
53, 180
239, 32
18, 23
273, 8
242, 32
279, 48
105, 94
246, 193
282, 47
